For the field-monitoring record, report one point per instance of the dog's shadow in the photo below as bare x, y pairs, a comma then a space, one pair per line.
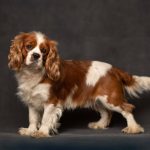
79, 119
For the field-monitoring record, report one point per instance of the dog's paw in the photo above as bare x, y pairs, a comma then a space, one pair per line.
133, 130
39, 134
97, 125
25, 131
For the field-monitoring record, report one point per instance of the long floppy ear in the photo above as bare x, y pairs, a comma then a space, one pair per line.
52, 63
15, 57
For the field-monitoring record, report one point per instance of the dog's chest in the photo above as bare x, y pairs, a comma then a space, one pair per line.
32, 92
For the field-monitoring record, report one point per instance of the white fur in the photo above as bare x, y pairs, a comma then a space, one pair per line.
41, 91
101, 104
34, 120
141, 84
104, 120
130, 119
31, 92
96, 71
39, 39
50, 118
132, 126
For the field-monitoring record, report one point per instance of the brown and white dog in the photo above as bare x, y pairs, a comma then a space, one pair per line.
48, 84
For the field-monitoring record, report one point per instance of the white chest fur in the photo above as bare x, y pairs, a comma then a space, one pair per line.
30, 90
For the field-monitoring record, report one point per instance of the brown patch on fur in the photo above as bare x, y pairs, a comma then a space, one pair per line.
112, 85
15, 57
125, 78
52, 63
72, 75
83, 96
127, 107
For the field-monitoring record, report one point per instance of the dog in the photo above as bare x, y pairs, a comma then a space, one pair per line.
48, 84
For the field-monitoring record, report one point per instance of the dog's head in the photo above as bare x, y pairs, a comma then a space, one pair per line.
36, 51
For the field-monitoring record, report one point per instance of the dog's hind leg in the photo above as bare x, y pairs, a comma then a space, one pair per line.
124, 108
132, 125
105, 119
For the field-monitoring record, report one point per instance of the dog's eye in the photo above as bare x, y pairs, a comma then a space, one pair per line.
43, 50
29, 47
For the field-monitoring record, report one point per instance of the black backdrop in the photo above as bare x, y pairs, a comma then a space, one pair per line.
117, 32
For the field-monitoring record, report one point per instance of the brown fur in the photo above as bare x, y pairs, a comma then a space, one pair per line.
52, 63
74, 72
15, 56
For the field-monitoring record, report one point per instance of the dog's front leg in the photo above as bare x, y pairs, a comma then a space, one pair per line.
49, 122
34, 120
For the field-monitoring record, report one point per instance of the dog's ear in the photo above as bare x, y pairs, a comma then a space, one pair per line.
15, 57
52, 63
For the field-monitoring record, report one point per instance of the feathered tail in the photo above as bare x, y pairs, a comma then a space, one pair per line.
141, 83
134, 85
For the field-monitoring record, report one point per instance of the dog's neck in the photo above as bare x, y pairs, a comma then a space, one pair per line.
30, 74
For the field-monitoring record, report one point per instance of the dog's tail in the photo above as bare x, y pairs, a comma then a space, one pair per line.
134, 85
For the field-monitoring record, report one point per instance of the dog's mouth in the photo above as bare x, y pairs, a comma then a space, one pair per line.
34, 64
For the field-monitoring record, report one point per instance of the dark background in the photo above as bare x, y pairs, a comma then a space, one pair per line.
114, 31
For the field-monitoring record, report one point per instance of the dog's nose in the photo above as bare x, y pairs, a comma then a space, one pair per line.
36, 56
